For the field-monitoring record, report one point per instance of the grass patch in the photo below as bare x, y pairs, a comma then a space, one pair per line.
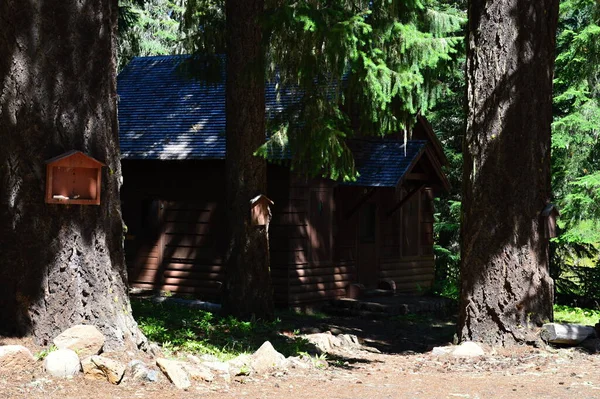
575, 315
179, 328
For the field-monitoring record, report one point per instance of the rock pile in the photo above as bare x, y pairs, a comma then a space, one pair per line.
79, 350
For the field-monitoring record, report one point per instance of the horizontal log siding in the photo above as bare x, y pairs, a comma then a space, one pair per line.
179, 245
291, 231
411, 274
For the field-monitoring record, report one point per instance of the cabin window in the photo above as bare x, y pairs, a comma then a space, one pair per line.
367, 223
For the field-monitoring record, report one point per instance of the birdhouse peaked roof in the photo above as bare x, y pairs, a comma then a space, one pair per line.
260, 198
74, 158
166, 115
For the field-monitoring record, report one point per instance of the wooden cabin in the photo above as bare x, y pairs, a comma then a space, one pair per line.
324, 235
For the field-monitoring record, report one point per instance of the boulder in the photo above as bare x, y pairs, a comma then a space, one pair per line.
468, 349
240, 365
326, 342
112, 369
295, 362
197, 372
84, 339
174, 372
219, 368
90, 370
566, 334
140, 372
62, 363
441, 350
266, 359
15, 358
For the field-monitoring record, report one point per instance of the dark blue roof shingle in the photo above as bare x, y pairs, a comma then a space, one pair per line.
164, 114
382, 163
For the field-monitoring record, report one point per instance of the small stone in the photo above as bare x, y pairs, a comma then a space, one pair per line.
266, 358
152, 376
174, 372
468, 349
219, 367
112, 369
297, 363
62, 363
90, 370
441, 350
15, 358
240, 365
198, 372
140, 372
86, 340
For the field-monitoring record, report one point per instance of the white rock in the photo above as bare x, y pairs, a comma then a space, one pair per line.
468, 349
266, 359
174, 372
295, 362
441, 350
240, 364
62, 363
84, 339
324, 342
15, 358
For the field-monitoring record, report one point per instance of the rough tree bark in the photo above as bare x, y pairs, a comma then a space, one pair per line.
60, 265
506, 289
247, 290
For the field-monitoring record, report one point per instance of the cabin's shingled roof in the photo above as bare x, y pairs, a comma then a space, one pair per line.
166, 115
382, 163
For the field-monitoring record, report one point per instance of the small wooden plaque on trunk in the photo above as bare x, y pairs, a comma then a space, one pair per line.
73, 178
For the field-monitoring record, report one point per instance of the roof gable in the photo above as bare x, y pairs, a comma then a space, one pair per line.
383, 163
74, 159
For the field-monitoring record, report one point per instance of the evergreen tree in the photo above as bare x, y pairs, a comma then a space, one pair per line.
61, 264
357, 65
247, 291
149, 27
576, 130
506, 290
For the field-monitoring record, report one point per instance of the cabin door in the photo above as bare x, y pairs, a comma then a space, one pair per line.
367, 245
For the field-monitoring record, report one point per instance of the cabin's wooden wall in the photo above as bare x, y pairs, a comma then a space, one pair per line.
404, 239
308, 220
408, 243
175, 214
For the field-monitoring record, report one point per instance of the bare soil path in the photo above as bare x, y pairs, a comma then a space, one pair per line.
406, 368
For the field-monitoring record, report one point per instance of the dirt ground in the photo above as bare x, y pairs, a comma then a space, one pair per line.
405, 368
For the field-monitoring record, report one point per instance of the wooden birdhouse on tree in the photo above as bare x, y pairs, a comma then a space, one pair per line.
549, 216
73, 178
260, 211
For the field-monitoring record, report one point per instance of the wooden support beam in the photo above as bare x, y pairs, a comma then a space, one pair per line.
360, 203
405, 200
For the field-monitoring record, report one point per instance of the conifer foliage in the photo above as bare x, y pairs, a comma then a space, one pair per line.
576, 127
358, 65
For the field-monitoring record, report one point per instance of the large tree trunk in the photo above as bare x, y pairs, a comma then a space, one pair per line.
506, 288
59, 265
247, 290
